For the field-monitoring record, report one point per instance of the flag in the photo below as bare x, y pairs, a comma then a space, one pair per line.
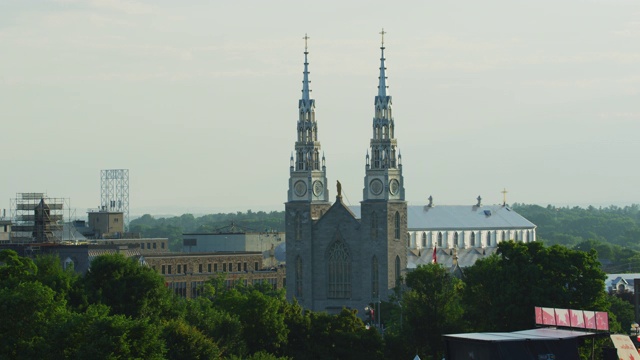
434, 258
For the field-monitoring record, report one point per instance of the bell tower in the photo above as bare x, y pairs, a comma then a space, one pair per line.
307, 197
384, 209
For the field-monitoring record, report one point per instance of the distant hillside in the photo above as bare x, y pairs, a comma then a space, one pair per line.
612, 231
174, 227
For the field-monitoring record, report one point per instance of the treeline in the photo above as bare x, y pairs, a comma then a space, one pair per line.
122, 310
173, 227
614, 232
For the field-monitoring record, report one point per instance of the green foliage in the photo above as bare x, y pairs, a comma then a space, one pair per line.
126, 287
503, 289
613, 231
185, 341
28, 310
14, 268
433, 307
95, 334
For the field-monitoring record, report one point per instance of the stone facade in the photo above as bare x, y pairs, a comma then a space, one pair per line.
185, 273
334, 258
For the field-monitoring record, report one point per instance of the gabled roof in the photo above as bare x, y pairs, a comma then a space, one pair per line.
444, 217
449, 217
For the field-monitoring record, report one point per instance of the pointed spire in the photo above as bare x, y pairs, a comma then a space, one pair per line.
382, 85
305, 80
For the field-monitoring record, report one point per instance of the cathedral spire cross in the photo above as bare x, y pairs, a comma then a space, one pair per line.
504, 196
306, 37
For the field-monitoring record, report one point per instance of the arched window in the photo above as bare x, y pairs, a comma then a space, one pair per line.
398, 270
339, 279
397, 226
439, 239
455, 239
488, 240
374, 225
298, 226
374, 278
504, 236
299, 292
424, 239
472, 242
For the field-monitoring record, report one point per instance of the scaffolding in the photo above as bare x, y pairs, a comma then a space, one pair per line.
114, 192
37, 218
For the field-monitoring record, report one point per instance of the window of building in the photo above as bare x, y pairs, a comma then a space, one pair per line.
488, 240
169, 269
230, 267
179, 269
148, 245
184, 268
299, 277
424, 239
215, 267
224, 267
163, 269
244, 265
440, 239
239, 267
374, 278
455, 238
154, 245
199, 268
141, 245
339, 271
473, 239
504, 236
255, 266
397, 226
162, 245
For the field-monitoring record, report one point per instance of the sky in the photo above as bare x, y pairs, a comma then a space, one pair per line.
198, 99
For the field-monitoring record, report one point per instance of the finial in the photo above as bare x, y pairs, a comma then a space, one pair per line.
504, 196
430, 201
306, 37
339, 187
382, 33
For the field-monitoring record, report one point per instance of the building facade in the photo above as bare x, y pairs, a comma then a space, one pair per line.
334, 258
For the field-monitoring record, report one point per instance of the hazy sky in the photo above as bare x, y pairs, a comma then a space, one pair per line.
198, 99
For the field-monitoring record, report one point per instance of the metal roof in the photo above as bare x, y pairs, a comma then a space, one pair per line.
459, 217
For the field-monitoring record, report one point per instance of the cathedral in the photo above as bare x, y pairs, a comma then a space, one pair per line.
336, 259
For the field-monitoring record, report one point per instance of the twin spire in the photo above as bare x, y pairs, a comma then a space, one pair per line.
382, 85
305, 79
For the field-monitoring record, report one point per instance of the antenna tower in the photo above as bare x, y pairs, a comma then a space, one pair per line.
114, 192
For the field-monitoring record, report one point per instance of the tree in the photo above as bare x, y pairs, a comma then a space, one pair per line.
502, 290
184, 341
432, 306
95, 334
29, 310
127, 287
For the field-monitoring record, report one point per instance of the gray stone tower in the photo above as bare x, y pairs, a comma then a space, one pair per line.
308, 195
384, 209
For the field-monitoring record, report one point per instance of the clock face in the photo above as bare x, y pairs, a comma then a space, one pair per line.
394, 186
318, 188
300, 188
376, 186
